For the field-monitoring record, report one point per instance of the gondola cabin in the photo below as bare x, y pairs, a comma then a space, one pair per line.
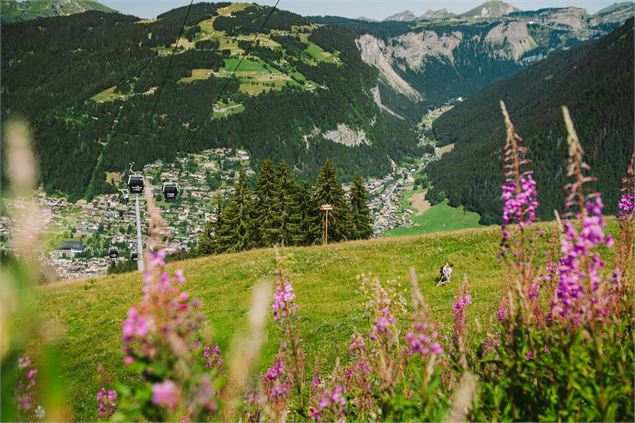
170, 190
113, 253
123, 196
135, 183
134, 257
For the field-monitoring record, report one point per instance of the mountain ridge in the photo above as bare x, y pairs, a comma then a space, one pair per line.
314, 88
21, 11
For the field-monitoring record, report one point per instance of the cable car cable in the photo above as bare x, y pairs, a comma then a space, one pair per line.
198, 128
165, 76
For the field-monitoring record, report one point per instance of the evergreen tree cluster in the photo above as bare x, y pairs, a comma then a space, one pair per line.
280, 211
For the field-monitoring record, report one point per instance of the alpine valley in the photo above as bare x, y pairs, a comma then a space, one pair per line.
103, 89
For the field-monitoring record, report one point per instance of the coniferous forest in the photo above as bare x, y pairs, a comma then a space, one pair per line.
281, 211
594, 80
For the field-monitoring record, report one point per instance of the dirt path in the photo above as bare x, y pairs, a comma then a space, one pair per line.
419, 203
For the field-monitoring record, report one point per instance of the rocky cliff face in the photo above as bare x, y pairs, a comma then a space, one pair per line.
433, 61
375, 52
511, 39
20, 11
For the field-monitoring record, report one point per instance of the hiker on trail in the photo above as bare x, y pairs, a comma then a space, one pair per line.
446, 274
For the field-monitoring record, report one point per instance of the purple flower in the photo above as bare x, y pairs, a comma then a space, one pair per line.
165, 394
501, 314
179, 276
520, 201
106, 403
458, 310
578, 295
423, 340
213, 357
275, 371
357, 344
283, 301
135, 326
383, 323
331, 401
490, 345
277, 383
626, 205
158, 258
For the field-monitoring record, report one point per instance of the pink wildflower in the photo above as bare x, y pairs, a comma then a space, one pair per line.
213, 357
423, 340
166, 394
283, 301
106, 403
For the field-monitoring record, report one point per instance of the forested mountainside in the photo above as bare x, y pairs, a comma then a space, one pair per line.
595, 80
425, 63
311, 89
20, 11
88, 84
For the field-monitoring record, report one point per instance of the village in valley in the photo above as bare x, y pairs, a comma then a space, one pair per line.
79, 235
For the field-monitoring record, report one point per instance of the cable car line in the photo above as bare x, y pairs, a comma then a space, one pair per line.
198, 128
165, 76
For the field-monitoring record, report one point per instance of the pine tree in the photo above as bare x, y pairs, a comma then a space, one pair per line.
310, 215
360, 214
266, 218
208, 241
290, 214
234, 230
328, 190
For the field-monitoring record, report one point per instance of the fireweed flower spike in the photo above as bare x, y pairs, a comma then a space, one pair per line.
626, 222
580, 295
284, 312
520, 201
160, 338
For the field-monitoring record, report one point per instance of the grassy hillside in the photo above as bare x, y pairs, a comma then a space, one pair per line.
439, 218
324, 280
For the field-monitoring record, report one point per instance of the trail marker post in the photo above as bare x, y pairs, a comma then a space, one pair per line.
325, 208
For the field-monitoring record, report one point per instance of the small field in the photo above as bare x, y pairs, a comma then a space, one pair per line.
438, 218
222, 110
108, 94
196, 75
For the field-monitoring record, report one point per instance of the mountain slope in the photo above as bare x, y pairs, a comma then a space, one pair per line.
594, 80
314, 88
20, 11
489, 9
406, 15
617, 12
303, 89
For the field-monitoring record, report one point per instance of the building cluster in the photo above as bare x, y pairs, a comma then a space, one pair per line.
79, 236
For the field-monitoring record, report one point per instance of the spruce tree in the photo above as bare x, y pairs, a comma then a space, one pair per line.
234, 230
328, 190
208, 241
310, 215
360, 214
290, 214
266, 210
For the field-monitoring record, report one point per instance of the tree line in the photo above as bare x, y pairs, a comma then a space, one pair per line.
281, 211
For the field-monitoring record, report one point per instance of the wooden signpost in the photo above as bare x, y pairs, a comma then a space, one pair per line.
325, 208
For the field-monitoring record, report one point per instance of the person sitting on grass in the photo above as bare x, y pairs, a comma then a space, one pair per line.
446, 274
